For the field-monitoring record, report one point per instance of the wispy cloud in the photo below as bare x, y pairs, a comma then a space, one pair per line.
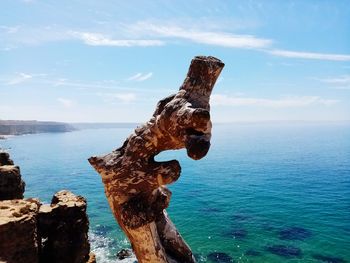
9, 29
41, 80
285, 102
147, 34
199, 36
19, 78
339, 82
96, 39
140, 76
80, 85
309, 55
7, 48
67, 103
126, 97
76, 84
23, 35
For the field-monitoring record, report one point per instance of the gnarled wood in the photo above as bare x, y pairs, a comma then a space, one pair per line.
135, 183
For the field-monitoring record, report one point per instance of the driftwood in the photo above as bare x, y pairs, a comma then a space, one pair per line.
135, 183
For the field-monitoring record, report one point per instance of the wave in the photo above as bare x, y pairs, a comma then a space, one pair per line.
102, 247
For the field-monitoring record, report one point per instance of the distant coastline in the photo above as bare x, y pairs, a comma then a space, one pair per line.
20, 127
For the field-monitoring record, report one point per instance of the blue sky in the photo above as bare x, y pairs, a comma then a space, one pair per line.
111, 61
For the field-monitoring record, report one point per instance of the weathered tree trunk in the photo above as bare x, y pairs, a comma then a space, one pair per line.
134, 181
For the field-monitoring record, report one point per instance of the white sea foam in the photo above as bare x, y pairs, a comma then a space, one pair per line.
101, 246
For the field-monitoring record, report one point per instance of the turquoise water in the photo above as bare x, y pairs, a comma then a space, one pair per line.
264, 193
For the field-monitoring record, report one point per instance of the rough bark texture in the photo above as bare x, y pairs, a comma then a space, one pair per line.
11, 183
19, 240
64, 226
134, 181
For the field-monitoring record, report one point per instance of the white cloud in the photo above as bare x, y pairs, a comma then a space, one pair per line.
309, 55
140, 76
203, 37
63, 82
94, 39
10, 29
285, 102
23, 35
67, 103
7, 48
341, 80
136, 76
126, 98
145, 34
19, 78
68, 83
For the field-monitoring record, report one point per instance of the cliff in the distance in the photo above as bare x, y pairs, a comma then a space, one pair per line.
14, 127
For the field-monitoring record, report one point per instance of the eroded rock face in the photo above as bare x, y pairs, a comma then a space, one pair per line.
124, 253
64, 226
5, 159
92, 258
19, 239
135, 183
11, 184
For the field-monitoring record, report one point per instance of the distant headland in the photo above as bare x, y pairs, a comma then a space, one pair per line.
20, 127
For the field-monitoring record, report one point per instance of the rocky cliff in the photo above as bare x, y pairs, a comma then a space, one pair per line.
11, 183
11, 127
64, 226
19, 237
33, 232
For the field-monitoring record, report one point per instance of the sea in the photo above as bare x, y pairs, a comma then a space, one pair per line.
265, 192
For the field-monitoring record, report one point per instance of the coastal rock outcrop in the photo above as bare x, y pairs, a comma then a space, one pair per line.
5, 159
19, 239
11, 183
24, 223
64, 227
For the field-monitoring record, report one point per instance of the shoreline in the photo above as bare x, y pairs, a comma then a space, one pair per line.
6, 136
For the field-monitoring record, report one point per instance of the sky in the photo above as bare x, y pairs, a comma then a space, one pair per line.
112, 61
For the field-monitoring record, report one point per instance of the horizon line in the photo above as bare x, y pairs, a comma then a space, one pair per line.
214, 122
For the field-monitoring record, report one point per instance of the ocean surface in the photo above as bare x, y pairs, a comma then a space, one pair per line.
264, 193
